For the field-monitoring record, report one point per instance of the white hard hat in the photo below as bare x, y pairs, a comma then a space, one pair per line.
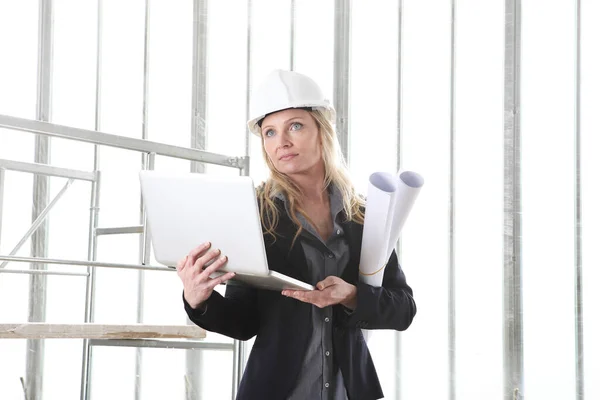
286, 89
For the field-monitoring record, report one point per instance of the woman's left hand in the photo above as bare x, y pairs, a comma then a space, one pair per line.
331, 290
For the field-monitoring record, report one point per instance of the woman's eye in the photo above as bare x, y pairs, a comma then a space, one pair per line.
269, 133
295, 126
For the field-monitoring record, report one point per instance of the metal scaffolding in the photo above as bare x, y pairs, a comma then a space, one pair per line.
105, 335
148, 150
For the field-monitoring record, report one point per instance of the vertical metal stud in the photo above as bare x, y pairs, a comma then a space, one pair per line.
147, 164
292, 35
341, 72
513, 302
248, 75
579, 365
199, 68
198, 141
397, 335
451, 216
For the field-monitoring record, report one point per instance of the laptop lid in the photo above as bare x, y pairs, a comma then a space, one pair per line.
187, 209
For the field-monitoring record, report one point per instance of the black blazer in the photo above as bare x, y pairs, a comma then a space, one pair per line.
282, 325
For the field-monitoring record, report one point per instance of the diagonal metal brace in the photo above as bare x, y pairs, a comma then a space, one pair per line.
38, 221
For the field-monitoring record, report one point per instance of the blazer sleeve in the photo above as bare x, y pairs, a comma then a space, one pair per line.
234, 315
390, 306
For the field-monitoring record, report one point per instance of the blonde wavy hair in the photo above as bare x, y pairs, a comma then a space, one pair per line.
336, 173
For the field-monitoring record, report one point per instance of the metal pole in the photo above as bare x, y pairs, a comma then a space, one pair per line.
90, 288
513, 302
162, 344
199, 67
341, 73
144, 252
239, 349
36, 272
397, 335
579, 365
193, 359
86, 263
248, 75
238, 366
118, 141
39, 242
147, 163
49, 170
292, 35
451, 216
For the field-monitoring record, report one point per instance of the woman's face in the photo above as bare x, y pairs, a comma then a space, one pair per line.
291, 140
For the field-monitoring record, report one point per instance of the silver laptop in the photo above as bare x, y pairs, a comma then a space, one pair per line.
187, 209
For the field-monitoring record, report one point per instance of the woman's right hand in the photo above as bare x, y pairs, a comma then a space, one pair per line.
197, 283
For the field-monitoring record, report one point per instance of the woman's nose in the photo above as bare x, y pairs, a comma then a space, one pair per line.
283, 141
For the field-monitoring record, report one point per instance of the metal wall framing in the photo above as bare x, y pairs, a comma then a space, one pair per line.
451, 215
398, 335
248, 76
579, 365
292, 35
513, 302
341, 72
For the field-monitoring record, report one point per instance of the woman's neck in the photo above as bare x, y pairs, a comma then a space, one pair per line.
312, 188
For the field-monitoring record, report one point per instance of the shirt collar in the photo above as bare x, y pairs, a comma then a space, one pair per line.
336, 203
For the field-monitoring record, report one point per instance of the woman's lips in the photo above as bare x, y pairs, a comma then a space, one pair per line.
287, 157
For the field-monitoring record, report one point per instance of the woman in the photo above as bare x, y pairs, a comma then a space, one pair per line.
309, 344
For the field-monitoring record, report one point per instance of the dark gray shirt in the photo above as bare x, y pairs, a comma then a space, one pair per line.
320, 376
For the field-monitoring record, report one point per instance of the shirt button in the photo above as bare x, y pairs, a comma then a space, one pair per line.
330, 255
339, 232
327, 353
326, 319
326, 384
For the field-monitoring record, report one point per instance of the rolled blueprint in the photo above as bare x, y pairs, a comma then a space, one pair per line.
389, 201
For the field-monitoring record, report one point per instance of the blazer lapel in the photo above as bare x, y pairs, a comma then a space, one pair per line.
353, 233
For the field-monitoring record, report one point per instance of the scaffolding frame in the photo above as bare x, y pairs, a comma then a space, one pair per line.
148, 150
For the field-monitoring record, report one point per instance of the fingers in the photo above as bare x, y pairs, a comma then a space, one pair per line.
315, 297
206, 258
196, 252
296, 294
181, 264
329, 281
219, 262
221, 279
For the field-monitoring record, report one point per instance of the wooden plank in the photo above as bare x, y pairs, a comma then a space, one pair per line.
35, 330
